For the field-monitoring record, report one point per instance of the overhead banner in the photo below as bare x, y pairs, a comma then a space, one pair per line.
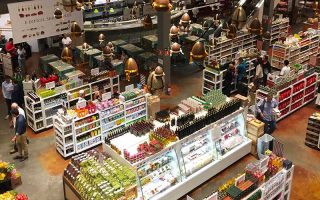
33, 20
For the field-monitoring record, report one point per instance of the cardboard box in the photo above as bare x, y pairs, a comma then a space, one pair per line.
16, 182
244, 100
153, 106
255, 127
254, 150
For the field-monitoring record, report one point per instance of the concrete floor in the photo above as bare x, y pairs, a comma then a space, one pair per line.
42, 172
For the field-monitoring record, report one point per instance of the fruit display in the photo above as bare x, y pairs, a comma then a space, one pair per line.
297, 87
97, 176
13, 195
310, 80
297, 97
284, 94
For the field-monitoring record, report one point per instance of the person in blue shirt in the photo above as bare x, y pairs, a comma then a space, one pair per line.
241, 77
265, 113
21, 138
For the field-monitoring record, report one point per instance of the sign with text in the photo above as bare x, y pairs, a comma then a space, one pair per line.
94, 71
129, 87
32, 20
106, 96
50, 85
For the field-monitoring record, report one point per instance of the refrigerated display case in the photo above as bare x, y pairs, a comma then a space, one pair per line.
158, 174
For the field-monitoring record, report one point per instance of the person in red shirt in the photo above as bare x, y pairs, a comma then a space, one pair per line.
10, 47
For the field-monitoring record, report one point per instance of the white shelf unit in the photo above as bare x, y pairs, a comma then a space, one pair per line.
279, 26
295, 54
228, 48
135, 109
51, 104
213, 79
186, 181
34, 114
277, 186
291, 102
65, 143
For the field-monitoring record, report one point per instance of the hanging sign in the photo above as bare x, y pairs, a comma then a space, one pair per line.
32, 20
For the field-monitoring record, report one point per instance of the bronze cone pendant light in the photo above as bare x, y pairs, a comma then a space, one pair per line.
239, 17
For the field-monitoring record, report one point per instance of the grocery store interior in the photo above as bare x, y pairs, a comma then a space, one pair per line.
137, 100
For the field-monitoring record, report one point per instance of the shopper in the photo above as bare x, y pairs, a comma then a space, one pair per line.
66, 41
266, 114
266, 69
285, 69
229, 79
7, 88
21, 58
21, 138
259, 73
241, 77
17, 93
10, 48
13, 122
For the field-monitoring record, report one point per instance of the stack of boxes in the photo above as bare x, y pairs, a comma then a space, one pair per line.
7, 64
255, 129
313, 131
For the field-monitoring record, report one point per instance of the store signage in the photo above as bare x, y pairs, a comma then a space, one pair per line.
94, 71
32, 20
129, 87
160, 61
50, 85
81, 104
106, 96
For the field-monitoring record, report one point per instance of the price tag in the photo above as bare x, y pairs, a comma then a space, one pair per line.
106, 96
240, 179
160, 61
214, 196
81, 104
60, 89
50, 85
129, 87
94, 71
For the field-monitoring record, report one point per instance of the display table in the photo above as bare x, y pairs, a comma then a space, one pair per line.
131, 50
196, 29
117, 44
90, 54
61, 68
149, 42
146, 59
45, 60
118, 66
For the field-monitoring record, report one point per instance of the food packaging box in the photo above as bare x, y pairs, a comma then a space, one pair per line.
244, 100
254, 150
255, 127
16, 182
153, 106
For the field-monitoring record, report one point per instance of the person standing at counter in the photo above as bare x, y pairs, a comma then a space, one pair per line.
66, 41
266, 69
228, 79
266, 114
285, 69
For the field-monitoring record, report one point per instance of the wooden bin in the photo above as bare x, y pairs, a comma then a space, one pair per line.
255, 127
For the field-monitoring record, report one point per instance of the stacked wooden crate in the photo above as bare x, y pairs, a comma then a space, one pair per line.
255, 129
313, 132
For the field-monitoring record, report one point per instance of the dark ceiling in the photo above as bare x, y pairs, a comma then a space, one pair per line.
4, 7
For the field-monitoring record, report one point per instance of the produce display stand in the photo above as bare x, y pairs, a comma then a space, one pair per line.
313, 132
79, 134
296, 52
292, 94
39, 113
188, 173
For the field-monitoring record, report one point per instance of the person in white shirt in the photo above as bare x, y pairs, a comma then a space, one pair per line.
259, 73
285, 69
7, 88
13, 124
66, 41
21, 58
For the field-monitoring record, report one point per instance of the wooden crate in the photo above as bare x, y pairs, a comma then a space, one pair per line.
255, 127
254, 150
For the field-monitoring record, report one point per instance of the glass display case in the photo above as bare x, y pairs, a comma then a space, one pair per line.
197, 152
159, 174
231, 132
